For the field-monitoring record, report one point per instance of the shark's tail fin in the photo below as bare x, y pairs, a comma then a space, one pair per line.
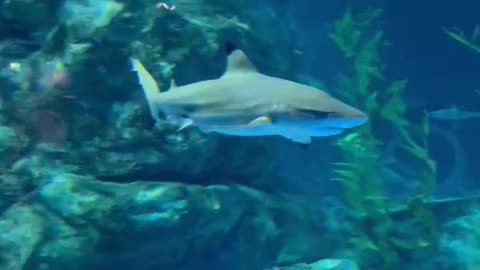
149, 85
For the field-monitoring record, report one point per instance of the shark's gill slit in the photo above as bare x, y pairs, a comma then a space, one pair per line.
190, 108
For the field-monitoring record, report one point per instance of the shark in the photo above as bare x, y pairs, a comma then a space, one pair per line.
246, 102
453, 114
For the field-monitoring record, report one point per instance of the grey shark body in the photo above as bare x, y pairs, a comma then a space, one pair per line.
453, 114
244, 102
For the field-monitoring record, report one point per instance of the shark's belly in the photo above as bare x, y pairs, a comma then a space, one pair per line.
293, 132
240, 131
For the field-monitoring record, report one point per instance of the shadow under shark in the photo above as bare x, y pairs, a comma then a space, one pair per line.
244, 102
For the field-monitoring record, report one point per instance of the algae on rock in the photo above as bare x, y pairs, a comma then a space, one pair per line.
84, 223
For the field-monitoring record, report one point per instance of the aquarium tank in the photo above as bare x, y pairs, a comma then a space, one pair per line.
239, 135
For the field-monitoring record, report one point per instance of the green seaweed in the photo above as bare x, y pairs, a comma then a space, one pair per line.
473, 42
359, 175
346, 37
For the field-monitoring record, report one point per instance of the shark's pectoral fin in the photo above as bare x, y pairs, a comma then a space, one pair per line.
262, 120
186, 123
298, 138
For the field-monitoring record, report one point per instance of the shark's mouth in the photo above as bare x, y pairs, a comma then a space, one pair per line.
343, 123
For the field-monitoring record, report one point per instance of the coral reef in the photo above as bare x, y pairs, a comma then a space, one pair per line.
76, 105
89, 182
461, 240
83, 223
334, 264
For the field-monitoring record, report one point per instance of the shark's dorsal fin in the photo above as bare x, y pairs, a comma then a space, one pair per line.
238, 62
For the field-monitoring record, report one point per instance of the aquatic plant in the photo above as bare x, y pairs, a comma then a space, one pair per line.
360, 40
472, 42
360, 147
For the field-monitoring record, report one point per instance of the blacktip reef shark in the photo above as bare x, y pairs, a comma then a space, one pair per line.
244, 102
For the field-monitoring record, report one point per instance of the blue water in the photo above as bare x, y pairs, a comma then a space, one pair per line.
89, 180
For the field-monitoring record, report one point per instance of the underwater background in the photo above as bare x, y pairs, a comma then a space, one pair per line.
88, 181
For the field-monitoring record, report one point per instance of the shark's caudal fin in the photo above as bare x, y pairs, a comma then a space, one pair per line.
149, 85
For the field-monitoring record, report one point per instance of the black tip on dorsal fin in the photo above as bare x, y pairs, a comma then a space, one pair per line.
230, 47
237, 60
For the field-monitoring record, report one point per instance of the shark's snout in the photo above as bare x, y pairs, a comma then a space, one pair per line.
352, 122
348, 111
348, 118
357, 118
345, 115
